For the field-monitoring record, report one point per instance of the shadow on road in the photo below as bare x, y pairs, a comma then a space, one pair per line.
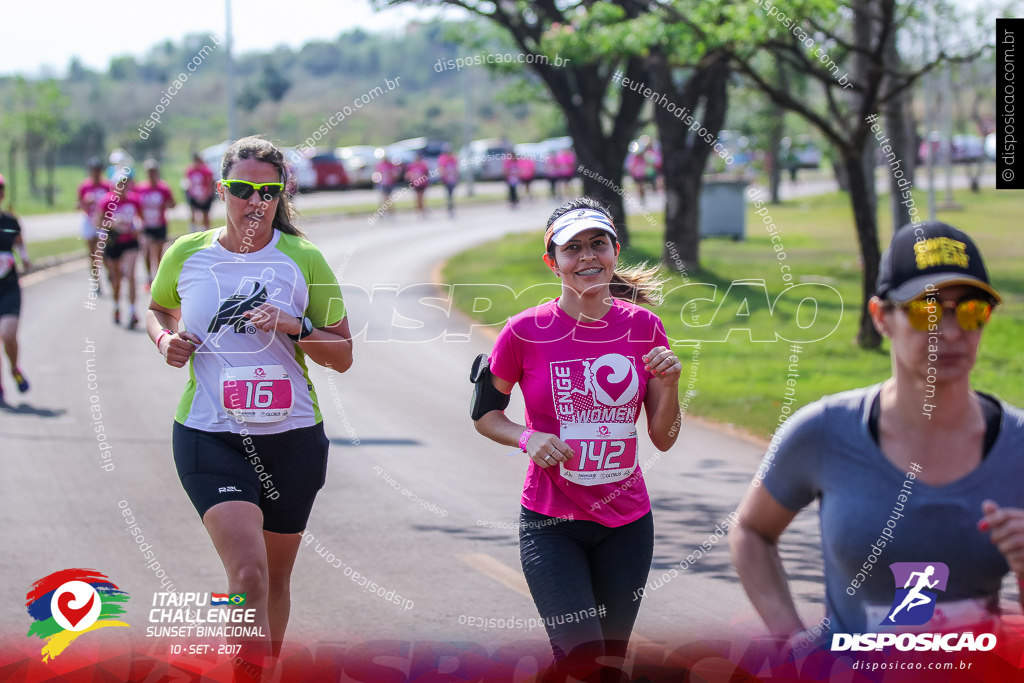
27, 409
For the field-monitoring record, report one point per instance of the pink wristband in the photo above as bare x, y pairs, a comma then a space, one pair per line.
161, 336
524, 438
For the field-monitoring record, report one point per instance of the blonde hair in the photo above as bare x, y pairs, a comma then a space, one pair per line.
639, 284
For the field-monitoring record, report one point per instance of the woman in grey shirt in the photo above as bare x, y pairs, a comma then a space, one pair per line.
917, 478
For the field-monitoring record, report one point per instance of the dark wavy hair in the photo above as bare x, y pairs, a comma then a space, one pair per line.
260, 149
640, 284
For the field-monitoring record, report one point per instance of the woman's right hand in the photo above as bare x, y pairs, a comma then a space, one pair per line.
178, 348
547, 449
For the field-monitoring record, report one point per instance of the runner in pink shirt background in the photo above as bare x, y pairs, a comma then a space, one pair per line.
118, 216
565, 169
385, 176
448, 167
199, 191
418, 177
155, 199
92, 190
586, 364
527, 170
510, 168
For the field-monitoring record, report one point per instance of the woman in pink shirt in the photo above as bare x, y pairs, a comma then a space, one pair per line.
418, 176
117, 215
93, 189
448, 167
586, 364
155, 198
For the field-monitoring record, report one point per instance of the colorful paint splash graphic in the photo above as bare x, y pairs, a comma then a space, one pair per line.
69, 603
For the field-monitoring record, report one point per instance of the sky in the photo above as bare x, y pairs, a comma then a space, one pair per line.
40, 34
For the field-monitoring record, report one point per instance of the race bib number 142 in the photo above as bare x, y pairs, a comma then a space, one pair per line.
604, 452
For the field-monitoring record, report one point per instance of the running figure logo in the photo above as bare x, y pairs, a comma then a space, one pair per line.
232, 309
914, 603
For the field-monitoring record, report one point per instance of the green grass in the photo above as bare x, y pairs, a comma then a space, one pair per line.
742, 382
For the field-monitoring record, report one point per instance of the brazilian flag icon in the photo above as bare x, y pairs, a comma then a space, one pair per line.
237, 599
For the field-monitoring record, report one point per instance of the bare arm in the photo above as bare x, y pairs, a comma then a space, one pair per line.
19, 246
176, 348
662, 401
544, 449
330, 346
753, 542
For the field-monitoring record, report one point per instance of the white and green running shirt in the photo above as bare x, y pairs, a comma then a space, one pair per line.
241, 377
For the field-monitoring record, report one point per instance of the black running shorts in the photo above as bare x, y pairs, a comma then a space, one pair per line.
281, 473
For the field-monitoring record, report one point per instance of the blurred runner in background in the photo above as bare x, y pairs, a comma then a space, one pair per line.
199, 192
527, 170
385, 176
448, 167
418, 177
93, 189
118, 215
155, 198
11, 242
510, 168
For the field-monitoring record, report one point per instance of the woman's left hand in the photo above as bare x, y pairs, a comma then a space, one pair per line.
270, 318
663, 364
1006, 526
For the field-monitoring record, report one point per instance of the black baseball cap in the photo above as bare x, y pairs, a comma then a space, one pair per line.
928, 256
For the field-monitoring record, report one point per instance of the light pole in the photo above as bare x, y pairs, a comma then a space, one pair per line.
229, 75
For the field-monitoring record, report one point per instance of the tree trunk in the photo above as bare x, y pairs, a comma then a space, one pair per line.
685, 153
901, 143
775, 135
599, 163
51, 166
862, 200
600, 155
32, 144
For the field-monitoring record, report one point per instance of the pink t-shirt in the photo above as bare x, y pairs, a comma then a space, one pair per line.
449, 168
418, 175
154, 200
511, 170
527, 169
89, 193
586, 383
118, 215
200, 182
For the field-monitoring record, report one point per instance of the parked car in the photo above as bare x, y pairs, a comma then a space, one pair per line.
301, 174
330, 174
484, 159
966, 148
359, 162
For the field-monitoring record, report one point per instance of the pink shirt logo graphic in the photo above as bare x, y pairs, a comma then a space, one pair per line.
605, 389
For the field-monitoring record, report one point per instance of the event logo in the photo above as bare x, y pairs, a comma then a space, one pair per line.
604, 389
914, 605
916, 583
69, 603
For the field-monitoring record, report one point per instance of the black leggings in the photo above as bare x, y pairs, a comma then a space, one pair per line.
585, 579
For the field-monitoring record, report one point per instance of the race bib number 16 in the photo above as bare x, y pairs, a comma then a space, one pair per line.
605, 452
257, 393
